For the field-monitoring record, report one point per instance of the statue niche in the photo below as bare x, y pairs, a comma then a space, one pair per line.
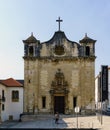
59, 85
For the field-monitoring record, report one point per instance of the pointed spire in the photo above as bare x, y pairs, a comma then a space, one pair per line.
85, 34
31, 33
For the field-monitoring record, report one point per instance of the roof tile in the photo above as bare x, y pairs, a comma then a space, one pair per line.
11, 83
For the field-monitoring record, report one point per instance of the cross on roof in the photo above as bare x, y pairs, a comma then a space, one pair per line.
59, 20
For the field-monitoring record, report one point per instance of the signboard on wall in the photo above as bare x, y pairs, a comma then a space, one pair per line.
77, 109
104, 82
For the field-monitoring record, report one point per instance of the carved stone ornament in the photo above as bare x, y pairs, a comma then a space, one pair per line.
59, 50
59, 85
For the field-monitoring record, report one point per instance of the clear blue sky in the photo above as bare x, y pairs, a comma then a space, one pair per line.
18, 18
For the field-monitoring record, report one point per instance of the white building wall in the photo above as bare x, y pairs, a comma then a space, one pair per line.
96, 92
3, 113
11, 108
15, 108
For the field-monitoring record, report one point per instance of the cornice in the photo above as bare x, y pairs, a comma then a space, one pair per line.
65, 58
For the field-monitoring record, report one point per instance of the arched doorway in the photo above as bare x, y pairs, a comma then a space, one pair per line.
59, 93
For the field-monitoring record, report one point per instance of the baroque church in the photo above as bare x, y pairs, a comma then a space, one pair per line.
59, 74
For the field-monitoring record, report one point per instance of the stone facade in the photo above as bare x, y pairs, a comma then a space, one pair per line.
58, 74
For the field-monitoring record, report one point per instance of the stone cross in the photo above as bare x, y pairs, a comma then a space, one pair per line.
59, 20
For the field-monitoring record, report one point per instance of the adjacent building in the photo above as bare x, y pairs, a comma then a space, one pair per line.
11, 99
102, 88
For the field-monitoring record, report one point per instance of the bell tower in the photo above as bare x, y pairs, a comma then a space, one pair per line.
87, 53
31, 47
88, 46
31, 54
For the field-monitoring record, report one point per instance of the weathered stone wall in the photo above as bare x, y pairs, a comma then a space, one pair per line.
39, 74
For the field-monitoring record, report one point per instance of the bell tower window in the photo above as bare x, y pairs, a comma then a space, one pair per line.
87, 51
31, 51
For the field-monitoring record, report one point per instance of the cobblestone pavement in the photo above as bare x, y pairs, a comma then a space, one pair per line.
64, 122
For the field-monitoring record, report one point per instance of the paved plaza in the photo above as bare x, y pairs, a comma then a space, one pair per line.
64, 122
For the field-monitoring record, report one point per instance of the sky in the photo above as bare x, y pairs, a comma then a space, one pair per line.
19, 18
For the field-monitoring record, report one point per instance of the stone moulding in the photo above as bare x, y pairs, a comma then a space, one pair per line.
55, 59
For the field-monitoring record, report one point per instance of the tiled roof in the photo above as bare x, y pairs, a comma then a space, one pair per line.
11, 83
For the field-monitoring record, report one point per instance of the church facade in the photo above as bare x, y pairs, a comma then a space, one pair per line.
59, 74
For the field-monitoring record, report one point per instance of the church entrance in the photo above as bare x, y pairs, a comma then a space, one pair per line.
59, 104
59, 93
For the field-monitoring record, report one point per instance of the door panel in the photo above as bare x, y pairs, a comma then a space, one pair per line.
59, 104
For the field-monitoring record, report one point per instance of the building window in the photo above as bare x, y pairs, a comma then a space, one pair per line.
3, 96
43, 102
3, 93
74, 102
29, 81
87, 51
3, 107
31, 51
15, 96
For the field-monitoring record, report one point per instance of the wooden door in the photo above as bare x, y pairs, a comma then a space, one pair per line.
59, 104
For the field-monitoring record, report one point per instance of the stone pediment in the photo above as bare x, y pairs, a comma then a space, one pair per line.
58, 38
59, 46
